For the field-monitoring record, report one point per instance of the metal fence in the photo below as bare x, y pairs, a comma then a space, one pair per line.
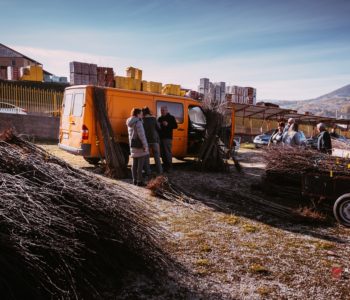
34, 100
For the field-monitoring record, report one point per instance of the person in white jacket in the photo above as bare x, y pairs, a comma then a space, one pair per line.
293, 137
138, 145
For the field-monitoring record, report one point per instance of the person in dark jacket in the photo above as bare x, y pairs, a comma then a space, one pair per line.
334, 133
167, 124
324, 142
151, 127
277, 135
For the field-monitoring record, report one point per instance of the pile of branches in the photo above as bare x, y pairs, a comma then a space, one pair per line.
295, 161
65, 233
116, 166
213, 155
285, 167
338, 144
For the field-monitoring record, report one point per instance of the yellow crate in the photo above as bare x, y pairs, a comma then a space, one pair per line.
33, 73
182, 93
152, 86
134, 73
138, 74
121, 82
37, 73
144, 86
127, 83
171, 89
131, 72
135, 84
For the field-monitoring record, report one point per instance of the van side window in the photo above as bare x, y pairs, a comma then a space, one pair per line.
67, 104
78, 105
175, 109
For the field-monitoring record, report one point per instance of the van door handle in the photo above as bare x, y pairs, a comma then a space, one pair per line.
72, 122
181, 129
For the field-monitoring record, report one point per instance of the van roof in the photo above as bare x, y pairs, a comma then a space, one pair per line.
133, 91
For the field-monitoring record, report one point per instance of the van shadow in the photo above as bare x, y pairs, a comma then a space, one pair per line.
240, 193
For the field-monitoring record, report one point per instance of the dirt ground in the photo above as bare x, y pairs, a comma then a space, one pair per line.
237, 243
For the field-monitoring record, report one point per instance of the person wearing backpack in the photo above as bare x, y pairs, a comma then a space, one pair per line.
138, 145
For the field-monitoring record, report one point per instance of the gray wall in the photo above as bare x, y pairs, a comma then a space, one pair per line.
37, 127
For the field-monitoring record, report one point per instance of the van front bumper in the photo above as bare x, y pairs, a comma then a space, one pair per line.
85, 149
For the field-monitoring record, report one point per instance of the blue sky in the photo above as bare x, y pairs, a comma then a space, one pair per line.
286, 49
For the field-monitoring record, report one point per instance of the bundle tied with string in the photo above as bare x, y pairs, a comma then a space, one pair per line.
115, 161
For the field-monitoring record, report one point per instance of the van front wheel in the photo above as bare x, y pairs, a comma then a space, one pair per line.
92, 160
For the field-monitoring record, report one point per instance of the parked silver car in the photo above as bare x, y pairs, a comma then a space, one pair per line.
263, 139
8, 108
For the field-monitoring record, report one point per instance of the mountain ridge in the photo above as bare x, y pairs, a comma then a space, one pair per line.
333, 104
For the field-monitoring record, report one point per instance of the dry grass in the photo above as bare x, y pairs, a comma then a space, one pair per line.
202, 262
250, 228
230, 219
258, 269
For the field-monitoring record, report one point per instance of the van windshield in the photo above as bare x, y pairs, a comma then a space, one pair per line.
196, 115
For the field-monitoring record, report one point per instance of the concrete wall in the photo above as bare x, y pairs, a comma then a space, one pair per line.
37, 127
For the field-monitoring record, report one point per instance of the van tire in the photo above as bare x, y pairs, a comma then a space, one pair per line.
92, 160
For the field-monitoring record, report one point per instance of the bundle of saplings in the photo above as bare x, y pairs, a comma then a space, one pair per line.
65, 233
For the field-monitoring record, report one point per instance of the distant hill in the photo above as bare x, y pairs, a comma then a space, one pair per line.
330, 105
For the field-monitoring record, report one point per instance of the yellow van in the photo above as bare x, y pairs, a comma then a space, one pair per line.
80, 134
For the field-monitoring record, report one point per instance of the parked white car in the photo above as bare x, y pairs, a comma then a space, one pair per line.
8, 108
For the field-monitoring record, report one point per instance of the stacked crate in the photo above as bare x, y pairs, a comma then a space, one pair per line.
132, 81
194, 95
246, 95
134, 73
82, 73
31, 73
92, 74
75, 73
127, 83
151, 86
171, 89
251, 95
105, 76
